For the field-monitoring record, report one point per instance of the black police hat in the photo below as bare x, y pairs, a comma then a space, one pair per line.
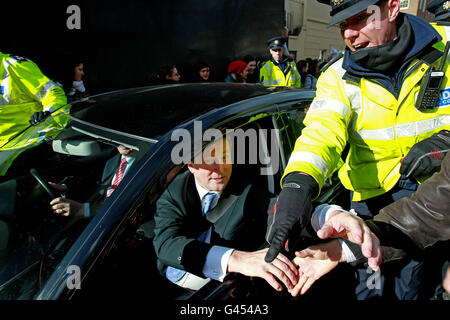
276, 42
440, 9
344, 9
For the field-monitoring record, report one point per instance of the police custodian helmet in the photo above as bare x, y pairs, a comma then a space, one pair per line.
343, 9
276, 43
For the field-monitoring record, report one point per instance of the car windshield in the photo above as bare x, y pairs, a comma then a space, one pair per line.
62, 157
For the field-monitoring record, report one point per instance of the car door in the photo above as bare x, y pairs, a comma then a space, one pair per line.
118, 242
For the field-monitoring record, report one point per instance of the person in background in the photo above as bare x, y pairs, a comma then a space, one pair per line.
311, 75
202, 72
279, 71
302, 66
167, 74
237, 72
73, 83
253, 71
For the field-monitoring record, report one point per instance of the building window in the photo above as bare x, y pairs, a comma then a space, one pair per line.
404, 4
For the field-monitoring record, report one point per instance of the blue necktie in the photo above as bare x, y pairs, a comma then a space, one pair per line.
174, 274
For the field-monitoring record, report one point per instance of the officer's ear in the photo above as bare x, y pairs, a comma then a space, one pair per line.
394, 9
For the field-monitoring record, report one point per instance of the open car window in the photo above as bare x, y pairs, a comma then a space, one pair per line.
255, 158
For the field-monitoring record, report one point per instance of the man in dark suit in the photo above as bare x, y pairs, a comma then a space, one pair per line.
115, 169
209, 224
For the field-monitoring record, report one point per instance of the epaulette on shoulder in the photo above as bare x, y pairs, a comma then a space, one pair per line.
329, 63
443, 23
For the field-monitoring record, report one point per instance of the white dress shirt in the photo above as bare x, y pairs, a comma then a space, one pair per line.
216, 263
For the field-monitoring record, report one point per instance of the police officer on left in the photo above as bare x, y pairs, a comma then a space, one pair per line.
279, 70
27, 96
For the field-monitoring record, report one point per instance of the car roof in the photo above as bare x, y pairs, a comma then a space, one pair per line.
151, 111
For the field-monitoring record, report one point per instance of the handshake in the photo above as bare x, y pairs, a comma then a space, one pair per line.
314, 262
317, 260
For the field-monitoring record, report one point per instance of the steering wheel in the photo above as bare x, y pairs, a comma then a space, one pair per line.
42, 183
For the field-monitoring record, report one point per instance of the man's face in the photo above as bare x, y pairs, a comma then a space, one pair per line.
370, 28
124, 151
214, 171
277, 53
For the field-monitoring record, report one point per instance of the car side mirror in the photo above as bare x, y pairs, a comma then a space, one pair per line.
76, 147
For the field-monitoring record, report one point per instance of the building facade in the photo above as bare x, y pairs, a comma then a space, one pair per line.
308, 36
307, 21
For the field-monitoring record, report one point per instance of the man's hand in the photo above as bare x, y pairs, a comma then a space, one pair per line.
426, 155
38, 117
63, 206
252, 264
294, 204
314, 262
344, 225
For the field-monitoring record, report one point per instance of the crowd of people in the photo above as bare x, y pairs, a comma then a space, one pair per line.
277, 69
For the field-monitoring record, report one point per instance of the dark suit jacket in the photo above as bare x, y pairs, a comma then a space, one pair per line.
111, 167
179, 221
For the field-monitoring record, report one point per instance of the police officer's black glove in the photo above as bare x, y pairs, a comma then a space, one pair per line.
293, 205
38, 117
426, 155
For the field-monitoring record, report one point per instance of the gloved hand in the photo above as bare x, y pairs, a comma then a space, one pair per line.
38, 117
294, 204
426, 155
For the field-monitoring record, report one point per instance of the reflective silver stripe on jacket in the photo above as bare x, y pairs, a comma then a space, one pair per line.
311, 158
332, 105
352, 90
295, 78
447, 33
404, 130
44, 90
271, 82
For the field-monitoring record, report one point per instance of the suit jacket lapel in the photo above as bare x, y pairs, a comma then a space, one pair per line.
111, 167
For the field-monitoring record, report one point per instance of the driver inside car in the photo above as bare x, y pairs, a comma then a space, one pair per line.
115, 169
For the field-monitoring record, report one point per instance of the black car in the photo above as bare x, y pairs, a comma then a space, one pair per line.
44, 255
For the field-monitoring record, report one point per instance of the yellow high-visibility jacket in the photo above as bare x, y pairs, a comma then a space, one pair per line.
379, 128
272, 75
23, 91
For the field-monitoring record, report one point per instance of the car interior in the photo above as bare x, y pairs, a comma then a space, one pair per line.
33, 240
29, 231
